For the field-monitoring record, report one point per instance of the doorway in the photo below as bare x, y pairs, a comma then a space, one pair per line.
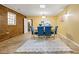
30, 24
25, 25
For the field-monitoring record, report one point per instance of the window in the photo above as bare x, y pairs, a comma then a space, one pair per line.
11, 18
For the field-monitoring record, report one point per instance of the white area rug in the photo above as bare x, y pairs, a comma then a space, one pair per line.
43, 46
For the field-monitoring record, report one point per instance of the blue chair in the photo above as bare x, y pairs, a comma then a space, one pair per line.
40, 31
47, 30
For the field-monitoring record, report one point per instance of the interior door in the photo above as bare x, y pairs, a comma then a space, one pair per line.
25, 25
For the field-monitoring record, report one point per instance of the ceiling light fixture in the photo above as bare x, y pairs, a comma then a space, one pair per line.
42, 6
43, 16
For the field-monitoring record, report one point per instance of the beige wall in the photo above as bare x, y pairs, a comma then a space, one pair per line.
36, 20
68, 22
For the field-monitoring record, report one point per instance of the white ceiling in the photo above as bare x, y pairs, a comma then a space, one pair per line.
35, 10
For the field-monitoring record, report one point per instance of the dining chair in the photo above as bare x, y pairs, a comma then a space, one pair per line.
33, 32
47, 30
55, 31
40, 31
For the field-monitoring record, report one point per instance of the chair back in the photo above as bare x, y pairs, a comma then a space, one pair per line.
40, 31
56, 28
32, 29
48, 30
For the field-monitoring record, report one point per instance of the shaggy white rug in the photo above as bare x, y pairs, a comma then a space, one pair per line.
43, 46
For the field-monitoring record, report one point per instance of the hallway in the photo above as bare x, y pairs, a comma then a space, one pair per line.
27, 44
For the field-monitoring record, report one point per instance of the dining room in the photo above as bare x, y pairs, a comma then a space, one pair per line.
39, 28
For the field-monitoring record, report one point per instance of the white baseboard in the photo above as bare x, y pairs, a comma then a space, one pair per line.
71, 41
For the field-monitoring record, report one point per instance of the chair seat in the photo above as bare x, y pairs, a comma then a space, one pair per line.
52, 32
36, 33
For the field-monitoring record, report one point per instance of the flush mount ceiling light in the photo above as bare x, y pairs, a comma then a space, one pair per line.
42, 6
43, 16
67, 15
